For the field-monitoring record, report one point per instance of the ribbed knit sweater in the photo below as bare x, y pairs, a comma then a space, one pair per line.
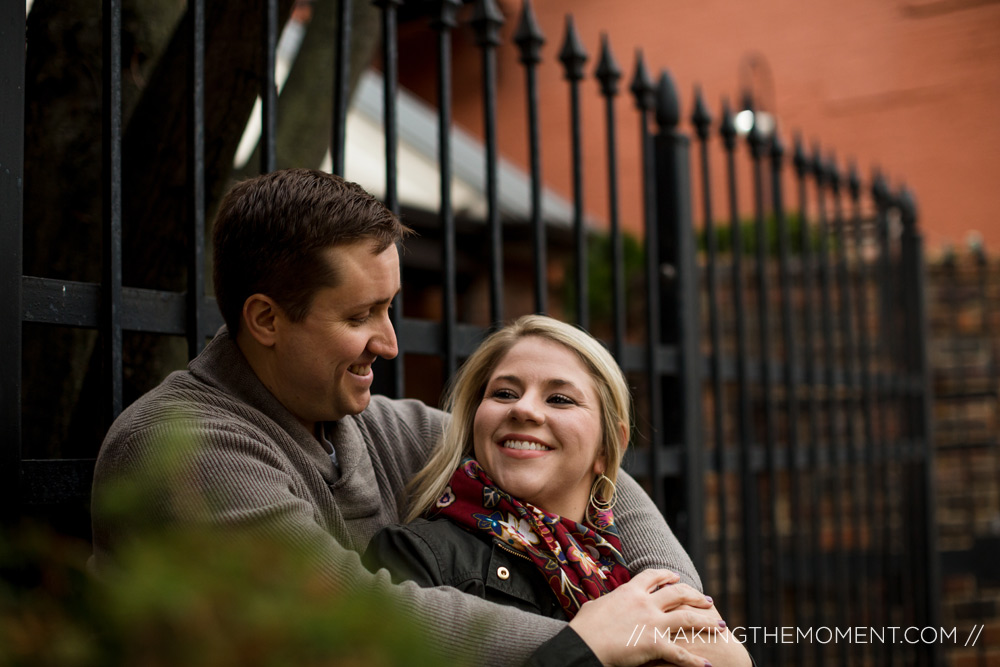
264, 471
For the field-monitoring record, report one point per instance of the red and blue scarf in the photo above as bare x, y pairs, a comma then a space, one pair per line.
579, 562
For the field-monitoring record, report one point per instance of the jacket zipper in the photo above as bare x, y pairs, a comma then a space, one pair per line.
511, 551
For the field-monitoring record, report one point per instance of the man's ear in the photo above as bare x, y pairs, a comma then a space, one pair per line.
260, 315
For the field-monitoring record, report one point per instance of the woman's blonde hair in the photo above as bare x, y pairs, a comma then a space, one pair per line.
469, 385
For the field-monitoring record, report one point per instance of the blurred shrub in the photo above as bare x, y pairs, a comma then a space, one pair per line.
186, 596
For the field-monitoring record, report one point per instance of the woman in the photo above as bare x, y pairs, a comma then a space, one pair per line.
518, 497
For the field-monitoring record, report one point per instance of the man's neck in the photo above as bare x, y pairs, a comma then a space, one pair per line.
259, 359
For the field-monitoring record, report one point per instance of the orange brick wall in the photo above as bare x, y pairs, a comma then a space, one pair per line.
912, 86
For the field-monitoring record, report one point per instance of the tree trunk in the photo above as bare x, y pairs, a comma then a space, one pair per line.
63, 395
62, 184
305, 108
62, 189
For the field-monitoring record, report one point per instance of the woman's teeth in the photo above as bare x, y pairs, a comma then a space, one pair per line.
522, 444
360, 370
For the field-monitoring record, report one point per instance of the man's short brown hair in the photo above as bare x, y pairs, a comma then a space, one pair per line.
271, 231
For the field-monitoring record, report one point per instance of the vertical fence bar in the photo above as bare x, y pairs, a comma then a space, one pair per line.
573, 58
12, 62
953, 281
269, 90
642, 90
111, 287
928, 596
848, 455
907, 461
608, 74
867, 459
486, 21
803, 169
844, 443
987, 305
341, 85
390, 85
902, 459
390, 81
752, 589
758, 149
679, 318
701, 119
984, 306
887, 335
529, 40
791, 389
831, 464
196, 183
443, 22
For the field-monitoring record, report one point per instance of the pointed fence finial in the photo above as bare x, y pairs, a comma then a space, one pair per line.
880, 189
833, 172
907, 208
800, 160
853, 179
572, 55
777, 147
486, 22
700, 117
727, 129
529, 37
642, 84
757, 140
443, 14
975, 242
817, 165
948, 256
668, 107
607, 72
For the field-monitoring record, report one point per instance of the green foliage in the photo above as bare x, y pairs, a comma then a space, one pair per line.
599, 275
191, 595
748, 230
599, 262
189, 598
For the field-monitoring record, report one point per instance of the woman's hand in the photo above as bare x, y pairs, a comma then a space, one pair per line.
636, 623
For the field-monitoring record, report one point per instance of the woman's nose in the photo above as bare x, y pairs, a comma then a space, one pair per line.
527, 408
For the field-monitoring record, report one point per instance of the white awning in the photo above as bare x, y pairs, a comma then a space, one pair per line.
418, 179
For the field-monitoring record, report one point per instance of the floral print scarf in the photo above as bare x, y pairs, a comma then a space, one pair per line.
579, 562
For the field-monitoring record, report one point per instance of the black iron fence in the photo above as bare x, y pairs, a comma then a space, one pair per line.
964, 343
780, 365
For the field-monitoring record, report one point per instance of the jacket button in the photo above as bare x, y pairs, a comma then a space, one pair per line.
503, 573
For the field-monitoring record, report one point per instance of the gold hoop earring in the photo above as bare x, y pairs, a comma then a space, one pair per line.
604, 505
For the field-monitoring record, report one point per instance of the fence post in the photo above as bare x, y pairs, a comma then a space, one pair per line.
921, 427
679, 318
111, 179
12, 36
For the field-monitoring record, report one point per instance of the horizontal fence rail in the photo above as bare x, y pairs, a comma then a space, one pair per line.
774, 335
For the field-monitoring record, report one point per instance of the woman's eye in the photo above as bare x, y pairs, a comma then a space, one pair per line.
360, 319
503, 393
562, 399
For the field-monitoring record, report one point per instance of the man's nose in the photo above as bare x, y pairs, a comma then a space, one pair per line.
383, 343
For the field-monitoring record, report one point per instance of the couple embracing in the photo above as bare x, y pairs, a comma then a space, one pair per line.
521, 531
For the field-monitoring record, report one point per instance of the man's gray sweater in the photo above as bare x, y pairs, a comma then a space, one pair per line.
264, 471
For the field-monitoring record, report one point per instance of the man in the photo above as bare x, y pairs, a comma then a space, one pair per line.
290, 441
